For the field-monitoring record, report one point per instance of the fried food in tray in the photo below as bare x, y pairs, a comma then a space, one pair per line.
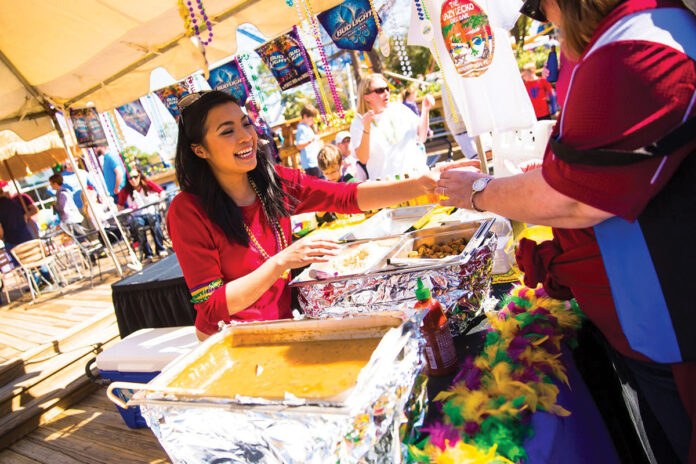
435, 251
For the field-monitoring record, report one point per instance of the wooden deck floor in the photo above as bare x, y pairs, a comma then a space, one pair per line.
91, 432
44, 347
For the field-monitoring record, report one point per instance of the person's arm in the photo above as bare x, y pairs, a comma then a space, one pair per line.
424, 123
525, 197
303, 137
362, 151
2, 233
119, 179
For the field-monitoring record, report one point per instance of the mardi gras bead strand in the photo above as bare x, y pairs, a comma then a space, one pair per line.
324, 60
204, 18
317, 95
254, 94
403, 57
315, 70
376, 17
186, 17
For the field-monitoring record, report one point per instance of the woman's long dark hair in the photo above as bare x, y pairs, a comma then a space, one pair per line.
195, 176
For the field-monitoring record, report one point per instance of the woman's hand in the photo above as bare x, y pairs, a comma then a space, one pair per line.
428, 103
456, 185
367, 119
306, 251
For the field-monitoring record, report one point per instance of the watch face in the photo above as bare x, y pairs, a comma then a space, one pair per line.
480, 184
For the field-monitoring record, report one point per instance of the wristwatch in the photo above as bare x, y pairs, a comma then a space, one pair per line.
479, 185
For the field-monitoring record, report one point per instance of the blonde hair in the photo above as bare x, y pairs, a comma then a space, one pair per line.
580, 19
364, 88
531, 67
328, 157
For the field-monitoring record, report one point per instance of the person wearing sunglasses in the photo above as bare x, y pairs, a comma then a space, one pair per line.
138, 192
230, 224
387, 136
619, 189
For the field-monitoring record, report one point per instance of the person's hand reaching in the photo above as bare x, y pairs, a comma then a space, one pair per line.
307, 251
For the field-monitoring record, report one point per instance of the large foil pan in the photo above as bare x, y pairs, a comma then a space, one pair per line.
361, 426
460, 283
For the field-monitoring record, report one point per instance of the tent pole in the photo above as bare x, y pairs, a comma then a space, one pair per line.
71, 159
112, 210
481, 155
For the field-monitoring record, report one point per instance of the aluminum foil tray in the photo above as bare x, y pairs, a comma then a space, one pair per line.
362, 427
460, 285
388, 222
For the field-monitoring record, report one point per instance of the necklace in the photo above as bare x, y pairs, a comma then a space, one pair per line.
391, 137
277, 231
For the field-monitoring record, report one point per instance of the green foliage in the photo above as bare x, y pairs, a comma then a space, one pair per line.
538, 56
149, 163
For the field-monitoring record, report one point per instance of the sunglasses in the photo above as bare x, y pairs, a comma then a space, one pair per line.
379, 90
188, 100
532, 9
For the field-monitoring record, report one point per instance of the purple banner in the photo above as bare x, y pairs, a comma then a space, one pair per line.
135, 116
285, 59
88, 128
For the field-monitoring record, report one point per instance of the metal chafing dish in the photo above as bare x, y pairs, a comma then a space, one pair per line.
389, 222
359, 425
460, 282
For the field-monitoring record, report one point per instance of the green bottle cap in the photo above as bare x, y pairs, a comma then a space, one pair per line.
422, 292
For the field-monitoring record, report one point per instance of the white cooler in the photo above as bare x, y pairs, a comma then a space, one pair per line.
140, 357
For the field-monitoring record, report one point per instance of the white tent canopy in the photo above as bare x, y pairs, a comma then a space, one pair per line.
18, 157
71, 52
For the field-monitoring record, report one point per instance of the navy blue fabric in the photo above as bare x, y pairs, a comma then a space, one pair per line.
13, 222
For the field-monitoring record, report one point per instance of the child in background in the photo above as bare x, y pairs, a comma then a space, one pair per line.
539, 90
332, 166
307, 141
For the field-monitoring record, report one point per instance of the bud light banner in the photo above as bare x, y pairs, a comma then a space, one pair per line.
88, 128
351, 25
285, 59
229, 79
170, 97
135, 116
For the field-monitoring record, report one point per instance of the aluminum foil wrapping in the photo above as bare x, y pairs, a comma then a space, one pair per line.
365, 428
460, 288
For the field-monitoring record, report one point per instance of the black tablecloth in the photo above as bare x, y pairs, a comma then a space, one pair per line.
157, 296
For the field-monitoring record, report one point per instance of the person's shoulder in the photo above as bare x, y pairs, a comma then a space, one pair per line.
291, 175
185, 204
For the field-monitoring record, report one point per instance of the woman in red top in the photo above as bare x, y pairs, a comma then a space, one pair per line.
230, 225
635, 82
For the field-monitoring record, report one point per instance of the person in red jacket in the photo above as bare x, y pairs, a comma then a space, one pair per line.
230, 225
622, 217
539, 90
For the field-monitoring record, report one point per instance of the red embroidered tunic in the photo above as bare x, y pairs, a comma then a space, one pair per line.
205, 254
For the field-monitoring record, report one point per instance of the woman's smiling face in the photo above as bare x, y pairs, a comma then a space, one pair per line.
230, 141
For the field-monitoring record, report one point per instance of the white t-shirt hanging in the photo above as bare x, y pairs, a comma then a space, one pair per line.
478, 62
394, 147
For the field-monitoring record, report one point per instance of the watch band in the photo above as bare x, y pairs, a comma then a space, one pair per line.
475, 191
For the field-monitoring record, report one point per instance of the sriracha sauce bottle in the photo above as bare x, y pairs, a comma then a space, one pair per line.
439, 346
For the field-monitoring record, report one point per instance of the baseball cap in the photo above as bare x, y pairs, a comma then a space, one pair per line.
341, 136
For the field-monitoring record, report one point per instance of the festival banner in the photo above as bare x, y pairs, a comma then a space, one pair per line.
229, 79
351, 25
135, 116
285, 58
88, 129
170, 97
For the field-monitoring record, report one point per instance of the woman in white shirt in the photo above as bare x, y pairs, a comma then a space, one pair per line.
387, 136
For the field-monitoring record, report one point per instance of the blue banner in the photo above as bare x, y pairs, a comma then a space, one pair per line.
351, 25
88, 128
135, 116
229, 79
170, 97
